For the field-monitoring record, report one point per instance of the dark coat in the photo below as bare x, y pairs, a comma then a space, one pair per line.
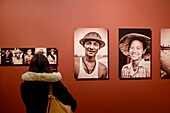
34, 94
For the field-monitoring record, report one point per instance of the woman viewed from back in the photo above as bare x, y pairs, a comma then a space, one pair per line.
35, 88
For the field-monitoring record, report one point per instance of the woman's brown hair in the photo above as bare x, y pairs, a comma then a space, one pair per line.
39, 64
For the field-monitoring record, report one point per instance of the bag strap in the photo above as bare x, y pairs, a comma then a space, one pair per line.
50, 89
50, 97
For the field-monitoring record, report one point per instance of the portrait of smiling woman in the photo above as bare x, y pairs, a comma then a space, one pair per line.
89, 60
136, 48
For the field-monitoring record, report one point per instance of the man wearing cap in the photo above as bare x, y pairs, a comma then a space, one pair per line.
135, 46
87, 67
17, 58
41, 51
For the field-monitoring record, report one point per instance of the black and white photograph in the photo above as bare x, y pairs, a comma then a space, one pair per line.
0, 56
28, 54
17, 56
23, 56
7, 56
91, 53
41, 51
134, 53
11, 56
165, 53
52, 55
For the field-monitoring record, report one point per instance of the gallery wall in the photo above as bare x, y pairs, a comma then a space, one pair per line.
51, 23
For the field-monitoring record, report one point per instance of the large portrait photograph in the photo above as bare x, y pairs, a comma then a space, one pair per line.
134, 53
165, 53
91, 53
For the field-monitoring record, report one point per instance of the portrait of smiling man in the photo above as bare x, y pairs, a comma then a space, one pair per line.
91, 64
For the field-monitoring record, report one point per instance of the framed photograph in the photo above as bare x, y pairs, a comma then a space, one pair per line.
135, 53
28, 54
41, 51
18, 56
165, 53
6, 56
0, 56
91, 53
52, 55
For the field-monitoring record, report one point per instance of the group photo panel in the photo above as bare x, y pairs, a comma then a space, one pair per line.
23, 56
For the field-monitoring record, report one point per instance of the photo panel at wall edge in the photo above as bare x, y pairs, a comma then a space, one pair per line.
91, 54
165, 53
135, 54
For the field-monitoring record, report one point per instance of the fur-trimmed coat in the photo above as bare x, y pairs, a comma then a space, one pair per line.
35, 90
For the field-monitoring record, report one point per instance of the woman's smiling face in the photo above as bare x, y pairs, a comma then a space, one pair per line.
136, 50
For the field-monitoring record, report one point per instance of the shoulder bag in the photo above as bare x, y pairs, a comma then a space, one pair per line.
55, 105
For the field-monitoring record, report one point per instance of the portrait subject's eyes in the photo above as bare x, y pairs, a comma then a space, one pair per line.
91, 44
96, 44
137, 47
88, 43
131, 47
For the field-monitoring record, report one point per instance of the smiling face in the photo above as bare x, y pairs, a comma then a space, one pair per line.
91, 47
136, 50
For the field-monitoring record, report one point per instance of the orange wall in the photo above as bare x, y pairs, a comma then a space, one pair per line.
51, 23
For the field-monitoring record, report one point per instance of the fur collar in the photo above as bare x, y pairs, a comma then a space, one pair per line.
46, 77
